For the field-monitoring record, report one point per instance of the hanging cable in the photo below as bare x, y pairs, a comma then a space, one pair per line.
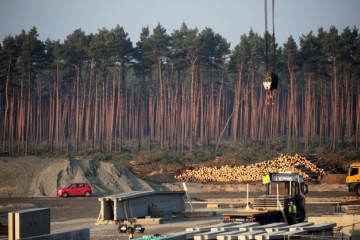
270, 82
266, 39
273, 33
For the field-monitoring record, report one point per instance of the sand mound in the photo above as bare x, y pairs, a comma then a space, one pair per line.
159, 177
334, 179
33, 176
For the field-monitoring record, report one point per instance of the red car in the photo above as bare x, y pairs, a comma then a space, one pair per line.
75, 189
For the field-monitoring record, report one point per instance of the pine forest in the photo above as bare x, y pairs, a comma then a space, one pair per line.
182, 91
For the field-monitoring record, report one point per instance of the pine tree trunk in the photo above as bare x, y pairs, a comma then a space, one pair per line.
202, 117
58, 113
291, 116
120, 111
77, 111
28, 114
193, 112
12, 122
335, 107
151, 113
357, 114
87, 111
38, 122
6, 133
253, 113
160, 111
211, 115
307, 112
246, 116
218, 115
95, 116
183, 121
237, 102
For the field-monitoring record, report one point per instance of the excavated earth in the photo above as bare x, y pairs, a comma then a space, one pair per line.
36, 177
41, 177
33, 181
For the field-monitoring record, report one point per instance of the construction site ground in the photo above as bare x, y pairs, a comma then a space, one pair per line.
31, 182
76, 213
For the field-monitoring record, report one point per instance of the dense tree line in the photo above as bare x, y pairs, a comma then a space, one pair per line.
180, 91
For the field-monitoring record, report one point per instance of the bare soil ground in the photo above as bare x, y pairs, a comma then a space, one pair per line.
37, 177
29, 182
33, 176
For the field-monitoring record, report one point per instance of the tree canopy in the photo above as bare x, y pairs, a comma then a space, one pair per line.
182, 90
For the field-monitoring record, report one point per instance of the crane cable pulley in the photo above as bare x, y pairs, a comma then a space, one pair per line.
271, 79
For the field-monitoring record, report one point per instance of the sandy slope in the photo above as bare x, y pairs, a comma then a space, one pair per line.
34, 176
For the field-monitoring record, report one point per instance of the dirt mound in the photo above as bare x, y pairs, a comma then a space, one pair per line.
33, 176
334, 179
159, 177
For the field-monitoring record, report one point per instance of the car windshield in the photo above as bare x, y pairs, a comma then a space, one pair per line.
69, 186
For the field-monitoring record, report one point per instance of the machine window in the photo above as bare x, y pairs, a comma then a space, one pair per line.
354, 171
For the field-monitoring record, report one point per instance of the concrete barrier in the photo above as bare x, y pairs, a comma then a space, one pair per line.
28, 223
34, 224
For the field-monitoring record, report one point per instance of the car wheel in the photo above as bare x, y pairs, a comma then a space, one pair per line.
87, 194
357, 190
64, 195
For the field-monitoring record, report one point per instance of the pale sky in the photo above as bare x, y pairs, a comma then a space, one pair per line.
229, 18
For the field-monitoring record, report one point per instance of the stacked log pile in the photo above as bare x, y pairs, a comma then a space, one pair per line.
253, 172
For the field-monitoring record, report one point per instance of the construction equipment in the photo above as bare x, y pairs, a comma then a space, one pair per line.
285, 187
353, 178
270, 83
271, 79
